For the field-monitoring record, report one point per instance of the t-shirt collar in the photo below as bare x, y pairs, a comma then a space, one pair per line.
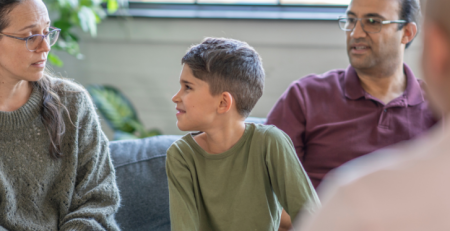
353, 89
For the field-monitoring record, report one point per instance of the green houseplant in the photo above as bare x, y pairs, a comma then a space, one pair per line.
67, 14
119, 113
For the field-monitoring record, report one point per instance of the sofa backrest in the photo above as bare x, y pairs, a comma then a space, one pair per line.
142, 181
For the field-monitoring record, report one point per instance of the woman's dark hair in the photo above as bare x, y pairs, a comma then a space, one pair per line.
52, 110
410, 12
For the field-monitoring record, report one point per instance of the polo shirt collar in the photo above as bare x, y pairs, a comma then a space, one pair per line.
413, 92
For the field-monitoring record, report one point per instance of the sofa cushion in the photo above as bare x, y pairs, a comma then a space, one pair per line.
142, 181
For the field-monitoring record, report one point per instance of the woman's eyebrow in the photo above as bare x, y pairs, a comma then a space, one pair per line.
31, 26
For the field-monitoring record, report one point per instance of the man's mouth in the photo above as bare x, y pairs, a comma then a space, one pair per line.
360, 47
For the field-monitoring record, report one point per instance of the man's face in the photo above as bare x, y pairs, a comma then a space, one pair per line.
372, 50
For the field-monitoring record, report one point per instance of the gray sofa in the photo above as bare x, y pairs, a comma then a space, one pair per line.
142, 181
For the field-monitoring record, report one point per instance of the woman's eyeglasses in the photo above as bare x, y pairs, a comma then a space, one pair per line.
33, 41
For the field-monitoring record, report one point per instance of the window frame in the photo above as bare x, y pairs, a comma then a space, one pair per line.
233, 11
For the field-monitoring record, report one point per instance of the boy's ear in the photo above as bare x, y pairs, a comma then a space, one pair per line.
226, 103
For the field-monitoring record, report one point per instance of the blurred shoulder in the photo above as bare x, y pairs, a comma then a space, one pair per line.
382, 170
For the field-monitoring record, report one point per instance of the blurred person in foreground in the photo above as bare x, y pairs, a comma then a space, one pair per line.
406, 187
376, 102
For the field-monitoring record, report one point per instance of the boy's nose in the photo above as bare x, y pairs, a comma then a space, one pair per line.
176, 98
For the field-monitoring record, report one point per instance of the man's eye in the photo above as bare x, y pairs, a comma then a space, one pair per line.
351, 20
372, 21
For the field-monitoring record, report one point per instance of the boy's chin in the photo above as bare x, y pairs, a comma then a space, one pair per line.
184, 128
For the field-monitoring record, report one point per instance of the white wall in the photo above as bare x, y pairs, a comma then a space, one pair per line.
142, 56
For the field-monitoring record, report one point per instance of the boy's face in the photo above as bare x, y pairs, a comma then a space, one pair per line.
196, 107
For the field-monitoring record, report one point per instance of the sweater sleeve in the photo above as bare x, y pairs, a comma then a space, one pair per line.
183, 208
288, 114
287, 176
96, 197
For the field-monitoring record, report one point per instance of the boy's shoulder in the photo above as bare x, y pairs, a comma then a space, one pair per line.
181, 144
267, 132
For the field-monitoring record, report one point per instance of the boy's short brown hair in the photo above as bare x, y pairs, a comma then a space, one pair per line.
228, 65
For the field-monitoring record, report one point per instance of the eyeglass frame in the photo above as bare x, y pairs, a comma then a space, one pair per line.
26, 38
383, 22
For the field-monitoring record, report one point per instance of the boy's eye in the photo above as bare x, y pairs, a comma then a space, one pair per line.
187, 87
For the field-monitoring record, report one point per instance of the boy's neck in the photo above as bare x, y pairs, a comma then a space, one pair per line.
221, 138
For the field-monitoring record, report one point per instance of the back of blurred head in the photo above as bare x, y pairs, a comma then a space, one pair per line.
436, 53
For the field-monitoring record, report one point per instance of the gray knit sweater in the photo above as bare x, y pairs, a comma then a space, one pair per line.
38, 192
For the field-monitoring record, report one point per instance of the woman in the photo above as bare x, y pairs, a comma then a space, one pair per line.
55, 169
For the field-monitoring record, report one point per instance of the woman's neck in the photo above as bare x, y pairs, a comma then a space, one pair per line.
14, 94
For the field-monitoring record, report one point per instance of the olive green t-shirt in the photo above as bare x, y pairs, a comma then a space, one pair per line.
240, 189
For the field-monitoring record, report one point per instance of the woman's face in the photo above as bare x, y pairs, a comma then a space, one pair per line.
16, 61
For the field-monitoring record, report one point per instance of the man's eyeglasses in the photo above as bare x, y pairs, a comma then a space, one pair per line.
369, 25
33, 41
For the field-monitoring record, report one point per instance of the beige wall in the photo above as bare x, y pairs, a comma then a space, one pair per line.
142, 58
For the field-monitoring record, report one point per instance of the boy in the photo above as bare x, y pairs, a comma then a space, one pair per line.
231, 175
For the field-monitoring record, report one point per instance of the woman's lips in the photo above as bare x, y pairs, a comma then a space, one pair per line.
39, 64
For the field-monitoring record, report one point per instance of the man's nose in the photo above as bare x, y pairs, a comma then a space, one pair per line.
358, 31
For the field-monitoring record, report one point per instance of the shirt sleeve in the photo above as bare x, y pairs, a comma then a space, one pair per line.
96, 198
183, 207
287, 176
288, 114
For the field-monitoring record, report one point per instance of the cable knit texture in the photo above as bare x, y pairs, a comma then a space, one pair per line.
38, 192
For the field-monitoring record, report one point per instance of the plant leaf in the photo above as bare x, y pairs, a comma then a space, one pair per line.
112, 6
153, 132
88, 20
115, 108
55, 60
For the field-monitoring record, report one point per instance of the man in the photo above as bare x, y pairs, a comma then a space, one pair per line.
405, 188
376, 102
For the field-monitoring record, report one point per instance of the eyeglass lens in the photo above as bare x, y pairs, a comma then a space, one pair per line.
33, 42
368, 24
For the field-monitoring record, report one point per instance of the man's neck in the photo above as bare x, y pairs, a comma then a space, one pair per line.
222, 137
14, 94
383, 85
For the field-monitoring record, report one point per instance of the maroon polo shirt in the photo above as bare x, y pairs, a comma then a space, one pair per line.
331, 119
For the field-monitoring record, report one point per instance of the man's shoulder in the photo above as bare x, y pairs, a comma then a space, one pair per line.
321, 80
323, 83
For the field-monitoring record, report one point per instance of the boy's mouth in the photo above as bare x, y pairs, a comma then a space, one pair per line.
179, 111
